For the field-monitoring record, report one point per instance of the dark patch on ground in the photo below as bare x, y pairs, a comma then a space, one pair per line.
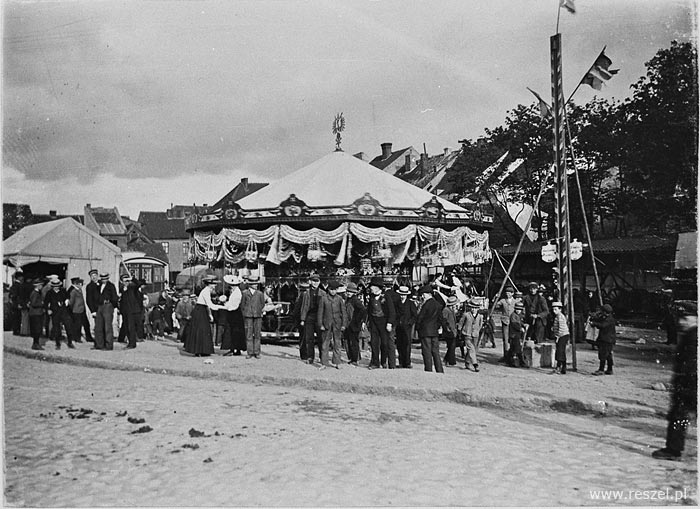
142, 429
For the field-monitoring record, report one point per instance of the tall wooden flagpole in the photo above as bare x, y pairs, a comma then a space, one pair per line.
562, 194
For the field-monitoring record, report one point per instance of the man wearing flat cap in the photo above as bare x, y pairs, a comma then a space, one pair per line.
108, 299
536, 313
77, 308
309, 317
332, 318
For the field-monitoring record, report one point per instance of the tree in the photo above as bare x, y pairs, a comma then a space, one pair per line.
15, 216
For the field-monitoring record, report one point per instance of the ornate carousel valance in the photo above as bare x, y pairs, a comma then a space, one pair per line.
278, 243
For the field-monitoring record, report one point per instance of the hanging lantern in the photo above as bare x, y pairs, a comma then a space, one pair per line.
576, 249
549, 252
384, 252
251, 252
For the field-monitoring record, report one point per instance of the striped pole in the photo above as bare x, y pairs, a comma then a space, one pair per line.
562, 194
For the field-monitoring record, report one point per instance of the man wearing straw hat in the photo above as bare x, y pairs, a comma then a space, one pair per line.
107, 301
252, 305
56, 304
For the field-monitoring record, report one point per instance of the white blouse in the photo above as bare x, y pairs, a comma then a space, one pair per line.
234, 300
205, 298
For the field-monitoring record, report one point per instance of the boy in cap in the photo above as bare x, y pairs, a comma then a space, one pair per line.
36, 313
427, 324
76, 308
333, 319
560, 331
507, 306
56, 304
605, 322
516, 331
470, 326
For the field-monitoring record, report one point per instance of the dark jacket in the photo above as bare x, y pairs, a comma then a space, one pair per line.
535, 307
252, 304
515, 327
429, 318
36, 303
325, 312
606, 324
387, 305
309, 308
92, 296
406, 313
357, 313
108, 294
393, 300
449, 322
131, 301
77, 301
56, 301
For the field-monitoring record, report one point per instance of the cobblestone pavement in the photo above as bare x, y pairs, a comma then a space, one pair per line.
69, 442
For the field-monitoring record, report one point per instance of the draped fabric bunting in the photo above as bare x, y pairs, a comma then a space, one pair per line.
464, 244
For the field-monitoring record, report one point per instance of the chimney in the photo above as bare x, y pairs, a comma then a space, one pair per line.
447, 150
52, 213
386, 150
407, 164
423, 163
88, 206
244, 183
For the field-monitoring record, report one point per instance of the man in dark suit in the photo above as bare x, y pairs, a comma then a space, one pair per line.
92, 295
107, 302
427, 323
56, 304
309, 311
130, 306
76, 308
393, 300
333, 319
382, 316
357, 313
406, 314
296, 314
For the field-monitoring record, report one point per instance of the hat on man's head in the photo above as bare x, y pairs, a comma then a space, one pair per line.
125, 277
607, 308
230, 279
426, 289
185, 292
304, 285
557, 304
333, 285
376, 281
55, 283
404, 290
474, 304
388, 280
37, 281
104, 276
452, 300
252, 280
533, 285
351, 288
210, 280
519, 305
342, 289
314, 277
92, 271
509, 289
76, 280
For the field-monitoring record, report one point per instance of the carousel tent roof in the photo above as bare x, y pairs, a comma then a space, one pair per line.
340, 179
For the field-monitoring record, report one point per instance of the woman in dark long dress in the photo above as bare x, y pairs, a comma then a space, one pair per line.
198, 340
234, 337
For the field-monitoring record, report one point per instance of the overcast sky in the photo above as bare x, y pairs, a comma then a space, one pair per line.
142, 103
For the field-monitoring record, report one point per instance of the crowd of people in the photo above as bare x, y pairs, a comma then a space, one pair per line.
330, 317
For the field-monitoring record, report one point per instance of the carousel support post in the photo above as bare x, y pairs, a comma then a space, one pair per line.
562, 194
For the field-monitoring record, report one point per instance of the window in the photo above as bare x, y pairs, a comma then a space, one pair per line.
158, 274
146, 273
166, 247
114, 242
186, 248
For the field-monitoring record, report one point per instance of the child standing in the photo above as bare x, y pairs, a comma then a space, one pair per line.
560, 331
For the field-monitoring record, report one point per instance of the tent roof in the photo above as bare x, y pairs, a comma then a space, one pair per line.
340, 179
63, 238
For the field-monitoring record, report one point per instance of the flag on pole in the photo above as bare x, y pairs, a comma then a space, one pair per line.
545, 109
568, 5
599, 72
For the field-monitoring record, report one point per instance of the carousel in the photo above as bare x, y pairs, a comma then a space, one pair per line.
341, 218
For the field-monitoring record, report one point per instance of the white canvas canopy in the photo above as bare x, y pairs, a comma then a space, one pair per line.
687, 251
340, 179
63, 242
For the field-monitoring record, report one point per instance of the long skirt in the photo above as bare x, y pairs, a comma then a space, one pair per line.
234, 338
198, 338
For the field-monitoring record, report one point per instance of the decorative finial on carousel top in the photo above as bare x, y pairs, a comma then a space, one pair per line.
338, 127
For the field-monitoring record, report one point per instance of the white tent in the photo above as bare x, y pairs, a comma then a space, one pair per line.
63, 242
340, 179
